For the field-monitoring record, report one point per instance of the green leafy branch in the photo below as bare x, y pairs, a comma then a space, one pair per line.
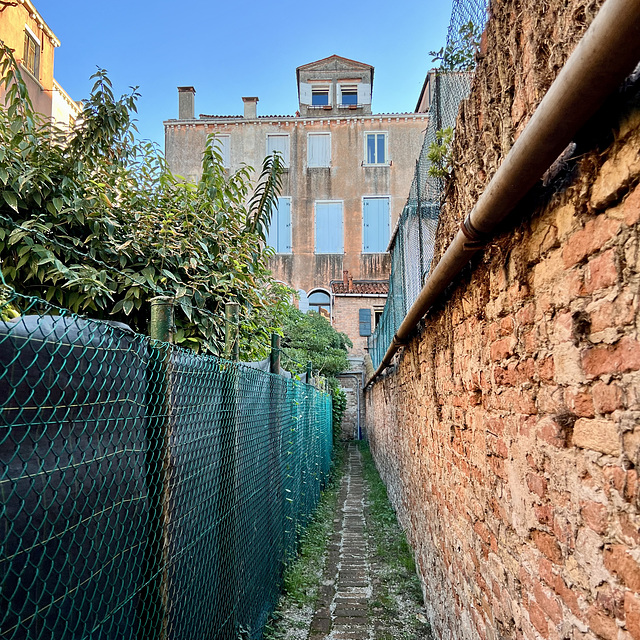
440, 154
460, 55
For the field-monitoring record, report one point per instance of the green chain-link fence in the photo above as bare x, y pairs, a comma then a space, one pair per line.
413, 239
146, 492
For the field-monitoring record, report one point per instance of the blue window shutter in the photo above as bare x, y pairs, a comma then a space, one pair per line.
364, 317
329, 234
279, 234
272, 234
284, 225
375, 225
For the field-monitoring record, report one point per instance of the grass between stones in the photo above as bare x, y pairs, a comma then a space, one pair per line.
396, 606
292, 618
395, 610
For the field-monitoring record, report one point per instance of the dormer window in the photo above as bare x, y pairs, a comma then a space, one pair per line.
320, 97
348, 95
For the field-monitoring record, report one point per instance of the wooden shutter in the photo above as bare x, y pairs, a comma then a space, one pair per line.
329, 235
375, 225
284, 225
279, 235
305, 93
319, 150
279, 143
365, 321
364, 93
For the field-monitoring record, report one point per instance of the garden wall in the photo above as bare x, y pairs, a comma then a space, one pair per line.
508, 430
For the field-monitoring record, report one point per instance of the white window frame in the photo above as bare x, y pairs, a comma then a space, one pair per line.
315, 226
226, 157
36, 72
351, 88
387, 161
317, 88
319, 133
377, 197
286, 154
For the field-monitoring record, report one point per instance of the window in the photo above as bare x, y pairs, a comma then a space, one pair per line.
279, 235
320, 97
319, 150
348, 95
375, 225
319, 301
31, 59
329, 227
279, 142
375, 148
222, 144
377, 313
349, 98
364, 318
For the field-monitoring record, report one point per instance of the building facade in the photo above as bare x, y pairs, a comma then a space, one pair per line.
348, 173
24, 30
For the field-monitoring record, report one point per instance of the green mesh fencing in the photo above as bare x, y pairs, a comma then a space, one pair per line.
413, 240
146, 492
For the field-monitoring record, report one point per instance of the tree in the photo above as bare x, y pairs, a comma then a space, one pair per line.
93, 220
309, 337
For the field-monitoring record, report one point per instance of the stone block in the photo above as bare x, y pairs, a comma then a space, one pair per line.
597, 435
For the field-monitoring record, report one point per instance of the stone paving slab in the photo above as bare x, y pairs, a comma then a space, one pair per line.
342, 611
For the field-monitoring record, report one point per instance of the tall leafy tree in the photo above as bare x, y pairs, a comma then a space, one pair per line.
93, 220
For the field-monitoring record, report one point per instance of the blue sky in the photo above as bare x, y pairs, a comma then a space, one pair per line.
234, 49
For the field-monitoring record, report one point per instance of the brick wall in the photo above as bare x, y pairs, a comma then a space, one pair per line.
508, 432
345, 318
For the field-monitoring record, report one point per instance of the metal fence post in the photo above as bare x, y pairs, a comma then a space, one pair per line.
274, 364
153, 604
309, 372
231, 331
229, 603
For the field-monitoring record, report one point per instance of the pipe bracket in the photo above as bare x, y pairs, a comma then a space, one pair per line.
477, 238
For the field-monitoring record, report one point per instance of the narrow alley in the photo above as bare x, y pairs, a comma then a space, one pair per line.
368, 585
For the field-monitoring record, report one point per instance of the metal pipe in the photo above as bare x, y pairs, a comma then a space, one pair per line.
606, 55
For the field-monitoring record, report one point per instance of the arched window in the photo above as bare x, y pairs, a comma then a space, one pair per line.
319, 301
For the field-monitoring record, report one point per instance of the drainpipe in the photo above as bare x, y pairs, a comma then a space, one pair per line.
606, 55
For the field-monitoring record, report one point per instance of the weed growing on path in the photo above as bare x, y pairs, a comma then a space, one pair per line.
396, 607
292, 617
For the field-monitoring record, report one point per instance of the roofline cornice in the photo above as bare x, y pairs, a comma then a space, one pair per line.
294, 119
29, 6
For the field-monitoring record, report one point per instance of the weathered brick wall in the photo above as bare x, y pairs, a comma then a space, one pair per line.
508, 433
346, 318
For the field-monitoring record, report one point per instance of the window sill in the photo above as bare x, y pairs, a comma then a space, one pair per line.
31, 76
381, 164
326, 166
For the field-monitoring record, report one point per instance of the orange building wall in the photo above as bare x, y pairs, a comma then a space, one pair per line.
12, 27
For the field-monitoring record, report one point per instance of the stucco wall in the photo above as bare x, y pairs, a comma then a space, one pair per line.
508, 432
13, 20
346, 180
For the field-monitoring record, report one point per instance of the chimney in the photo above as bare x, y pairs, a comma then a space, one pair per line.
186, 103
345, 279
250, 108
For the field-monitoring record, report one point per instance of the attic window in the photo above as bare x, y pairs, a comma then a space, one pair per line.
348, 95
320, 97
